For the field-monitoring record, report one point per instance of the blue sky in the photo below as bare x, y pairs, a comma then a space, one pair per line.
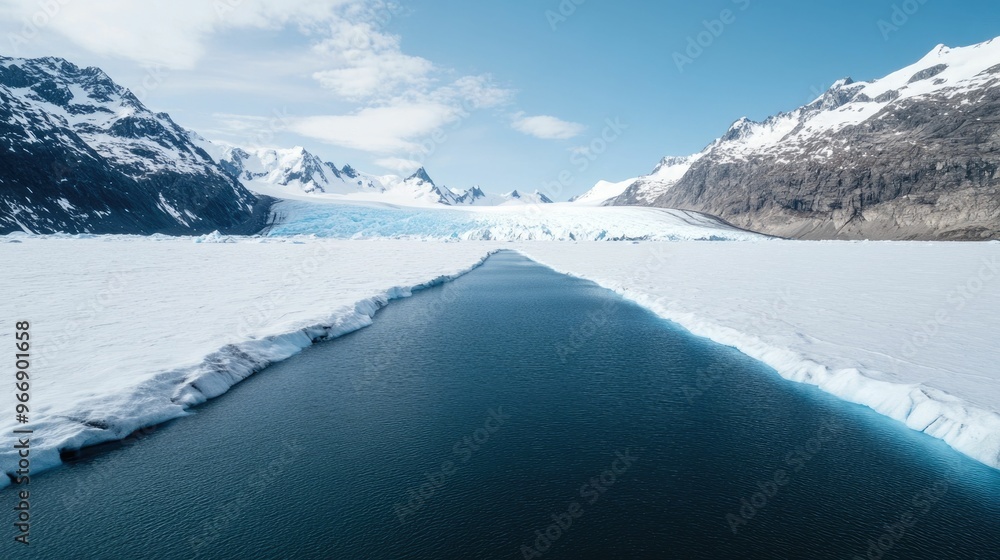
506, 95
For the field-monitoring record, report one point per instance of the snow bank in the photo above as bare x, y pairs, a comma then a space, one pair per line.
907, 329
130, 332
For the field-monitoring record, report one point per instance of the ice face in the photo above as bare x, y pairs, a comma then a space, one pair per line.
554, 222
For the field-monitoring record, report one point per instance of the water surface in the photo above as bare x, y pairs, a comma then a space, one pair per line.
486, 419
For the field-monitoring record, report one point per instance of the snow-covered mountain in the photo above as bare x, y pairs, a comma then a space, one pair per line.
295, 168
602, 192
296, 171
642, 190
911, 155
421, 187
79, 153
515, 197
82, 154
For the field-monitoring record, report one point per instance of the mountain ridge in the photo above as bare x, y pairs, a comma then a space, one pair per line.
913, 155
81, 154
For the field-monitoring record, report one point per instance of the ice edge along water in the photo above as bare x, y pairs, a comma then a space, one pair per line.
971, 430
225, 368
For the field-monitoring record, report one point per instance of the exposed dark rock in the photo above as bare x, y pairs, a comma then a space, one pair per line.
101, 162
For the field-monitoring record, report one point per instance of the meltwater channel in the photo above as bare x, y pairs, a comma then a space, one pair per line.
518, 413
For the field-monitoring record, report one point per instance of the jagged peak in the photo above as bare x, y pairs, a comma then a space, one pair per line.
421, 175
843, 82
738, 129
940, 50
542, 198
670, 161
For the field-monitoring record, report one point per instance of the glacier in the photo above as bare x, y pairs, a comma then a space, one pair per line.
526, 222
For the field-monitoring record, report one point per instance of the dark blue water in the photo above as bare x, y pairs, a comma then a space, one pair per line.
517, 413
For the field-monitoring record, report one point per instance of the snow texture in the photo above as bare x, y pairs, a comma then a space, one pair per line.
129, 332
602, 192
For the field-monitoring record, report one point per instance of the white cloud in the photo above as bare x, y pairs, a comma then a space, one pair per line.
389, 129
374, 75
249, 131
172, 33
546, 127
400, 165
407, 123
401, 100
363, 62
475, 92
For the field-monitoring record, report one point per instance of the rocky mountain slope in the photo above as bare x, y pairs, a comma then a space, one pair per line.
81, 154
913, 155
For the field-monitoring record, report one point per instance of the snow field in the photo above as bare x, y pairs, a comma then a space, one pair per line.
129, 332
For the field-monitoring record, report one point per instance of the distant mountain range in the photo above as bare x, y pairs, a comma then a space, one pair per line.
296, 171
913, 155
82, 154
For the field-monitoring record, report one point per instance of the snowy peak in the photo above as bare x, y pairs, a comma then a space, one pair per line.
422, 188
739, 130
535, 197
944, 71
841, 92
102, 161
603, 192
420, 176
472, 197
646, 189
60, 82
900, 157
295, 170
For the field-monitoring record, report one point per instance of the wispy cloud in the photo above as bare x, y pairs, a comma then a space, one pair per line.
399, 165
384, 101
546, 127
390, 129
172, 33
404, 98
364, 62
396, 126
